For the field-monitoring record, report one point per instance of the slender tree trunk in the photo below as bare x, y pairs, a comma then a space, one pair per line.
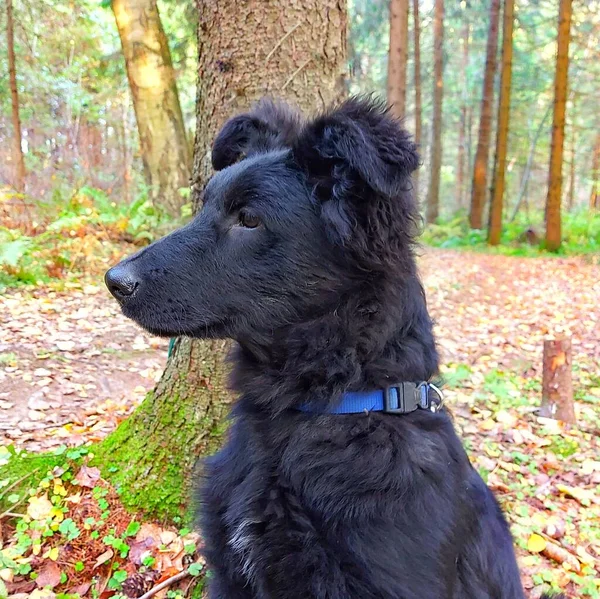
553, 220
433, 195
528, 165
595, 193
462, 132
495, 227
163, 144
479, 186
571, 194
398, 57
417, 79
298, 53
19, 182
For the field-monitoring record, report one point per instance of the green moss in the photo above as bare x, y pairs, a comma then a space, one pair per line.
25, 469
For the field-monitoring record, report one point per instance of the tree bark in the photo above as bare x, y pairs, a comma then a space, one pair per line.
417, 80
479, 186
433, 195
19, 181
557, 386
462, 132
497, 195
595, 193
298, 52
553, 218
163, 142
398, 57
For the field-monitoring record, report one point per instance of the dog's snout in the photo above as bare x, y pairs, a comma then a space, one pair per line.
121, 282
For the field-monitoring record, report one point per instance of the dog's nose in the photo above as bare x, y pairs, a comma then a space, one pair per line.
121, 282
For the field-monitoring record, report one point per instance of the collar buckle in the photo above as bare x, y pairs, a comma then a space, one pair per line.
404, 398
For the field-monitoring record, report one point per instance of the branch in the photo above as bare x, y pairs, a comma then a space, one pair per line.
165, 583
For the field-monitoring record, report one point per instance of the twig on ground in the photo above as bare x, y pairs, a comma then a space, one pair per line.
20, 480
165, 583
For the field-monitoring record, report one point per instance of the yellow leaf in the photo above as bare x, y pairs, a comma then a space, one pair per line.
584, 496
57, 514
51, 554
536, 543
39, 508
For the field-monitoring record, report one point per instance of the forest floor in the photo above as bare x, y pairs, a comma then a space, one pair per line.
72, 367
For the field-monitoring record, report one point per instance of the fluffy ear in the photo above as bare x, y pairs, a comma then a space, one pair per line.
268, 126
360, 160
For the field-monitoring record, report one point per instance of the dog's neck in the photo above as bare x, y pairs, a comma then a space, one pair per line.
377, 338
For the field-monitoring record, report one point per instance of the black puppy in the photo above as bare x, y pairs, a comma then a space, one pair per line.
304, 254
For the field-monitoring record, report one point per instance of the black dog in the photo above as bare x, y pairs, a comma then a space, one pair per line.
304, 254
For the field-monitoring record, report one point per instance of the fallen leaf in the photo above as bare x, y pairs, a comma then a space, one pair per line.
48, 575
87, 477
103, 558
536, 543
561, 555
39, 508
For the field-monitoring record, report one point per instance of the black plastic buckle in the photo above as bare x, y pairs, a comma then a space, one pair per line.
401, 398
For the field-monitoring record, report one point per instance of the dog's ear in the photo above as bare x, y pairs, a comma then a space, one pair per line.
270, 125
354, 153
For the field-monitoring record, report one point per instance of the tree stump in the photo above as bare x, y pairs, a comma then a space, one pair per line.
557, 386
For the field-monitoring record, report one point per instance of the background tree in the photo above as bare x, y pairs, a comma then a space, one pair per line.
398, 57
417, 85
479, 186
299, 53
553, 217
433, 195
497, 195
19, 175
163, 142
462, 135
595, 193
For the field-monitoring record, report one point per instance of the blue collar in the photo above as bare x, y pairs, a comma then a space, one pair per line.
400, 398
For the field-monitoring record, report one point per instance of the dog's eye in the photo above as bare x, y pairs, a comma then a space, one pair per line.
248, 220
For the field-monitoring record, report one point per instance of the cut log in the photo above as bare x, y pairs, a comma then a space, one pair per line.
557, 386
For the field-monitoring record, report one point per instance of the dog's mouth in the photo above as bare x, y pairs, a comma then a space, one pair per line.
161, 324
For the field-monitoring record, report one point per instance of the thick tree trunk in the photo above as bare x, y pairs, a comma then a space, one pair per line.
553, 220
557, 386
433, 194
19, 180
462, 131
398, 57
417, 80
298, 52
595, 193
163, 143
497, 195
479, 186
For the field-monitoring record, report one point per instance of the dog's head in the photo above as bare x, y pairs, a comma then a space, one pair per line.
297, 216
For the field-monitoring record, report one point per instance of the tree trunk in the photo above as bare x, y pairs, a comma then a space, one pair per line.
553, 221
433, 195
298, 53
19, 181
479, 186
462, 132
417, 79
571, 195
163, 143
557, 387
497, 196
398, 57
595, 193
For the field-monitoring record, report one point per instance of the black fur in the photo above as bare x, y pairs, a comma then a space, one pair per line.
322, 297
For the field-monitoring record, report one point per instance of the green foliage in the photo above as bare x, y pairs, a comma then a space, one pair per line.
73, 239
581, 235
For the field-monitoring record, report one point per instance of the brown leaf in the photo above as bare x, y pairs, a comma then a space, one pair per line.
80, 589
87, 477
48, 576
103, 558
